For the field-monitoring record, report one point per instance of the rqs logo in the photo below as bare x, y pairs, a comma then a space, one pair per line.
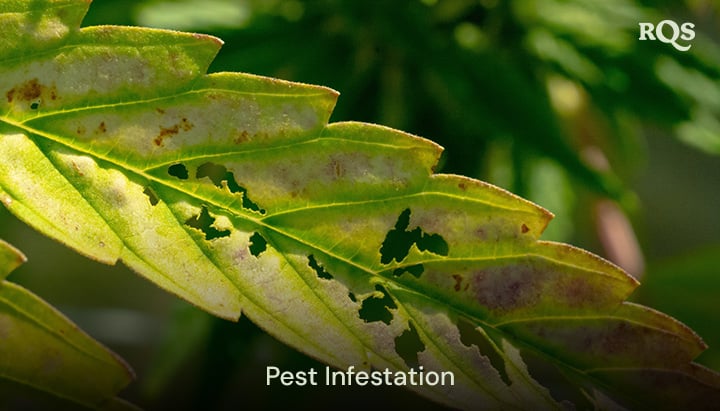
685, 32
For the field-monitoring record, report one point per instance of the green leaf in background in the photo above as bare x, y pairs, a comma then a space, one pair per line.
46, 362
687, 287
233, 192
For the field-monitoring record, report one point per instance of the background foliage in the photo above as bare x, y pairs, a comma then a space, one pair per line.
556, 101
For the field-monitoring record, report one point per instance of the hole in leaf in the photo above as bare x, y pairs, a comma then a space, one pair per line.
151, 195
34, 105
178, 170
432, 242
408, 345
352, 297
258, 244
398, 241
560, 385
217, 174
376, 308
320, 271
416, 270
204, 222
470, 336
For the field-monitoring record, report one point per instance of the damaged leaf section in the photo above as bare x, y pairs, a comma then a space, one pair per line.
204, 222
32, 93
560, 384
258, 244
152, 197
398, 241
168, 132
221, 177
320, 271
470, 336
377, 308
408, 345
416, 270
178, 170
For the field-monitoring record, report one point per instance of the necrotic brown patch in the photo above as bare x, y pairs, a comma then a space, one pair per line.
458, 281
183, 125
31, 91
27, 91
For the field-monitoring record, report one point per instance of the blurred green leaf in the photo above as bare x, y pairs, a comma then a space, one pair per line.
46, 362
189, 329
193, 14
688, 288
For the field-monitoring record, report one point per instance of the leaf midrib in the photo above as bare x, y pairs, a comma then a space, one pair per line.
259, 222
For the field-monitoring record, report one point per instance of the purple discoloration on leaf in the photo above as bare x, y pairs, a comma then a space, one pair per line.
505, 289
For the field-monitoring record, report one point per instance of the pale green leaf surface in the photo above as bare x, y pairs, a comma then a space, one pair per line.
45, 360
233, 192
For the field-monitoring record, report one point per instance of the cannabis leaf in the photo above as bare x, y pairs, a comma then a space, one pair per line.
233, 192
46, 362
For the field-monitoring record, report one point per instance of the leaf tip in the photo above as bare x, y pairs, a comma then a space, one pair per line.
218, 42
10, 258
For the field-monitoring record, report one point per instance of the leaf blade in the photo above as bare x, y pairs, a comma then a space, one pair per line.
44, 351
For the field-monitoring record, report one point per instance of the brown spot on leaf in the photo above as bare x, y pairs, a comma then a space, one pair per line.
101, 128
30, 92
524, 229
462, 186
80, 130
166, 132
77, 169
186, 125
160, 111
336, 169
169, 131
458, 281
242, 137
